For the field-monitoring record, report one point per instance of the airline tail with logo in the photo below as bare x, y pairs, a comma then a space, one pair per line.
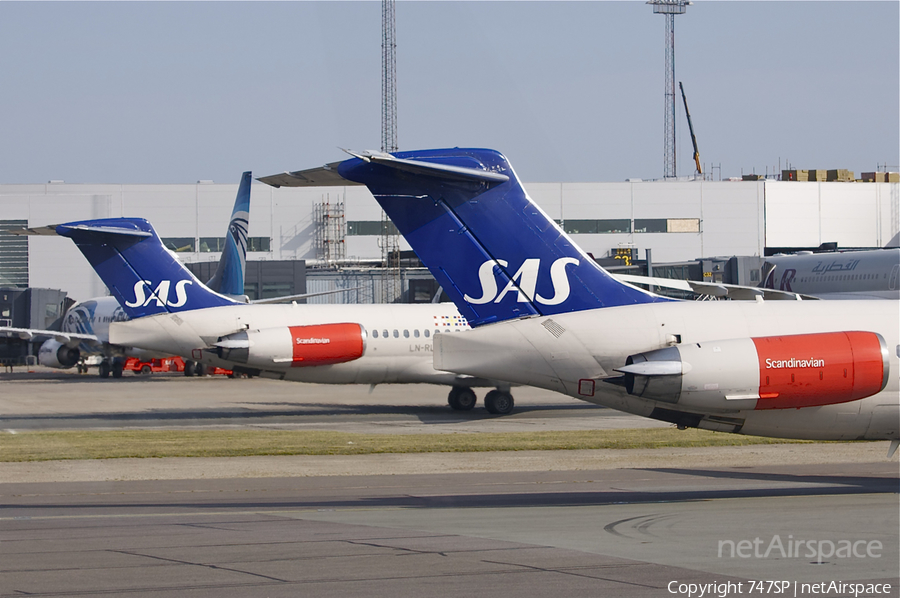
229, 276
498, 256
144, 276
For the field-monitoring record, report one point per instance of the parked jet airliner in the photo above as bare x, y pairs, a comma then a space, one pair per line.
84, 329
172, 312
872, 274
545, 314
863, 274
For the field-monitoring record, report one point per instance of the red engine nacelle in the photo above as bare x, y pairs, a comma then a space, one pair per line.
775, 372
326, 344
295, 346
820, 369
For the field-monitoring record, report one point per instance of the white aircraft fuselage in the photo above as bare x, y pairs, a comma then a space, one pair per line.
573, 353
872, 274
389, 344
93, 317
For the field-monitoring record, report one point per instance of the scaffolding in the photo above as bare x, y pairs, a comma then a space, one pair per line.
391, 286
330, 230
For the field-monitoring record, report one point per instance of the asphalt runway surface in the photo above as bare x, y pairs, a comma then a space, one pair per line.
52, 400
557, 531
624, 532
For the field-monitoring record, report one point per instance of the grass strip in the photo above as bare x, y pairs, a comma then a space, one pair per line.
118, 444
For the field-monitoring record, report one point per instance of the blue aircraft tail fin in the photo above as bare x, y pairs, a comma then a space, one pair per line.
139, 271
229, 276
495, 252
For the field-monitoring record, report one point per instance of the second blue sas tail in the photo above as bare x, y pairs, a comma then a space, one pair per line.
139, 271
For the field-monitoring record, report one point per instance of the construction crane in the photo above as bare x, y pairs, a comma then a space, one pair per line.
691, 128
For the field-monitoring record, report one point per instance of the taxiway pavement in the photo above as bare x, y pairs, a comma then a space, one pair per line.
562, 523
628, 532
52, 400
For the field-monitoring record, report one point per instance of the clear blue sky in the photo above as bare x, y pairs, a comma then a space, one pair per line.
174, 92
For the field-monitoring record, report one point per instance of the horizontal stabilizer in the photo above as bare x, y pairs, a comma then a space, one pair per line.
329, 175
324, 176
116, 230
37, 231
52, 229
432, 169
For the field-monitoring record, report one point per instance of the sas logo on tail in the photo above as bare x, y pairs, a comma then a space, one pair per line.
160, 294
524, 282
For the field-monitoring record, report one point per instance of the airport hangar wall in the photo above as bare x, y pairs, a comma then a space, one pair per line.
735, 218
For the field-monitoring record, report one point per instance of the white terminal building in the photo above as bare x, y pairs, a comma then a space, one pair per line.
333, 236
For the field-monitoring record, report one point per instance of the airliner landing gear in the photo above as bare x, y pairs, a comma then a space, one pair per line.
118, 365
104, 368
462, 398
192, 368
499, 402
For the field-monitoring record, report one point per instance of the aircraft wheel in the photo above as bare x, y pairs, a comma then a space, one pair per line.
189, 368
117, 366
104, 369
462, 398
199, 370
81, 369
499, 402
145, 370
